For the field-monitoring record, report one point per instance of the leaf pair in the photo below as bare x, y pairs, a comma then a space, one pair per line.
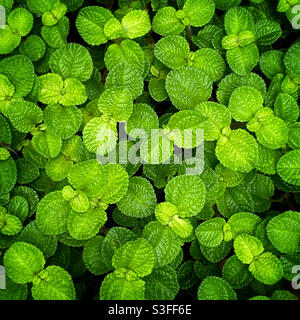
25, 263
213, 232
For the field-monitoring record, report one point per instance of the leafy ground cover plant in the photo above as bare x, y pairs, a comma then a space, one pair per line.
72, 227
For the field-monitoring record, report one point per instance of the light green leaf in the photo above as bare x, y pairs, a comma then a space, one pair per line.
288, 167
284, 231
52, 214
247, 248
210, 233
187, 87
90, 24
140, 199
165, 243
136, 23
53, 283
267, 268
137, 256
23, 261
187, 193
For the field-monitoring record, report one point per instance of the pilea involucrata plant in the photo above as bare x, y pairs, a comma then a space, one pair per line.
76, 225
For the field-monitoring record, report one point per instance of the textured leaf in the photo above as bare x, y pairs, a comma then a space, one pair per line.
72, 61
165, 243
140, 199
266, 268
210, 233
238, 151
199, 12
52, 214
214, 288
173, 51
284, 231
288, 167
90, 24
23, 261
247, 248
137, 256
119, 286
187, 87
166, 22
162, 284
136, 23
187, 193
53, 283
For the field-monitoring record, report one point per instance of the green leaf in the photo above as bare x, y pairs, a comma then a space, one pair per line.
165, 243
24, 115
210, 62
288, 167
20, 21
83, 226
236, 273
116, 103
166, 22
8, 175
114, 239
90, 24
23, 261
143, 117
88, 177
249, 98
286, 108
53, 283
266, 268
136, 23
291, 61
62, 122
140, 199
31, 234
162, 284
33, 47
27, 171
271, 63
199, 12
243, 222
237, 150
100, 135
267, 32
247, 248
20, 72
187, 87
187, 193
47, 145
52, 214
122, 285
72, 61
214, 288
137, 256
243, 60
284, 231
173, 51
238, 19
125, 76
128, 52
117, 181
92, 256
272, 132
210, 233
56, 36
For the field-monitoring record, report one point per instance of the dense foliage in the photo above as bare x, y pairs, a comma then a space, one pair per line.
73, 228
